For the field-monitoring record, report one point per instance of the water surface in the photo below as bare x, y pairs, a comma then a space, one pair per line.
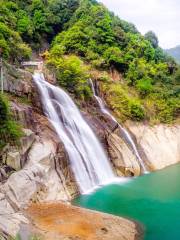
153, 200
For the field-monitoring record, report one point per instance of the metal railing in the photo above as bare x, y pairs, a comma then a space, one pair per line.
32, 63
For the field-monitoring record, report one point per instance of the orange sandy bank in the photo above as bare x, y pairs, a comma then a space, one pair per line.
65, 222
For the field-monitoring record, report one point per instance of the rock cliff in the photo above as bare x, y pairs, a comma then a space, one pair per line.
160, 144
39, 168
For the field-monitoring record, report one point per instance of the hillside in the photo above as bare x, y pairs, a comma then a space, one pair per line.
97, 104
84, 39
97, 38
174, 52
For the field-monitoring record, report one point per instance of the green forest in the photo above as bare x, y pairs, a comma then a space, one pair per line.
83, 37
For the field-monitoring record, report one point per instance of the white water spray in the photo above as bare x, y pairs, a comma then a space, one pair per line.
87, 157
125, 133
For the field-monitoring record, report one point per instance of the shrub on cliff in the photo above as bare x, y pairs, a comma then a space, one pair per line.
71, 74
124, 105
10, 131
144, 86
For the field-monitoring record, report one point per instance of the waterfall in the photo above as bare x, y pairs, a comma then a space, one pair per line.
124, 132
87, 157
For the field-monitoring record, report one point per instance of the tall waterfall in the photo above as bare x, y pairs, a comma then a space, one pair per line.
124, 132
88, 160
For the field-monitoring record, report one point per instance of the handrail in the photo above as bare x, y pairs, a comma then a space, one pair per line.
32, 63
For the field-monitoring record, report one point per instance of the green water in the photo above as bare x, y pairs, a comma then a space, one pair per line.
153, 200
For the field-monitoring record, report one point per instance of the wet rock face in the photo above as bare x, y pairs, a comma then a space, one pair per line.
124, 161
64, 172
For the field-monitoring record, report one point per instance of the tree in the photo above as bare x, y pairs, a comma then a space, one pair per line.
71, 74
114, 57
177, 76
152, 38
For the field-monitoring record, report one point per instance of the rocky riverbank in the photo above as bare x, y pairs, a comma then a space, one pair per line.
65, 222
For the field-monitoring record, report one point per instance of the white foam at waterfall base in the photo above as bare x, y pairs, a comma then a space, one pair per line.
125, 133
88, 160
115, 180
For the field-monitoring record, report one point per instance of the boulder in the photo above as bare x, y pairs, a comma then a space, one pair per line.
16, 193
22, 186
9, 219
43, 153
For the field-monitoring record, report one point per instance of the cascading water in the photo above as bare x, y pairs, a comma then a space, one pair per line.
88, 160
124, 132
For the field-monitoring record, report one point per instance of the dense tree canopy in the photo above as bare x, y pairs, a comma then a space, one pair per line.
84, 32
152, 38
26, 24
104, 41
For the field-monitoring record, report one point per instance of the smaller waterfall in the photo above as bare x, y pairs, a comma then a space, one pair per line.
124, 132
87, 157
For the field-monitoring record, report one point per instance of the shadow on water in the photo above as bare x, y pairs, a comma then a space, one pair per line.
152, 199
